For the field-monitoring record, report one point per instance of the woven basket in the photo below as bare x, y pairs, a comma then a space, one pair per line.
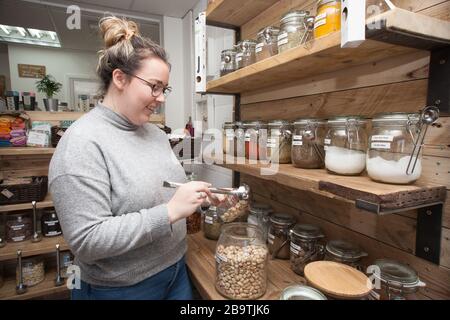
21, 193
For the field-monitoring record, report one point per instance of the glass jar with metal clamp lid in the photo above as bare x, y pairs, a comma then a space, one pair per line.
296, 29
307, 143
239, 139
278, 235
328, 18
228, 138
397, 279
344, 252
267, 43
228, 61
305, 246
346, 145
259, 214
395, 145
245, 55
279, 140
255, 140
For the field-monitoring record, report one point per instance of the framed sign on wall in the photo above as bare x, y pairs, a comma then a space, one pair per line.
31, 71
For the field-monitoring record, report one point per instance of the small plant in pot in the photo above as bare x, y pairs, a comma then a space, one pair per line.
49, 86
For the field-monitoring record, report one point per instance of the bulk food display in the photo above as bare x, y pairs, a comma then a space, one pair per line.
328, 18
305, 246
279, 140
33, 271
346, 145
267, 45
245, 53
295, 29
241, 262
278, 235
307, 143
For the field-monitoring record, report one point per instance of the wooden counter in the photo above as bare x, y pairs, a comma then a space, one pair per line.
202, 268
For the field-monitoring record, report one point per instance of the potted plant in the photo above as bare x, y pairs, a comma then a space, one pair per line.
49, 86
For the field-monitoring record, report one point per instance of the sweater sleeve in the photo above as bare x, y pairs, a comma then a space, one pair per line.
89, 227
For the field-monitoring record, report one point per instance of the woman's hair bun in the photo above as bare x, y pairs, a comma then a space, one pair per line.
115, 30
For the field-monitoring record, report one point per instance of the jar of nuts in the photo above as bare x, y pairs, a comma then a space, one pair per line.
33, 271
241, 262
278, 235
305, 246
233, 209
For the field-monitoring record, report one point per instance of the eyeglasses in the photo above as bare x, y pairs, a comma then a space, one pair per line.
156, 88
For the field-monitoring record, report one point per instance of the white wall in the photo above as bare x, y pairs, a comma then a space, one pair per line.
173, 43
4, 68
59, 63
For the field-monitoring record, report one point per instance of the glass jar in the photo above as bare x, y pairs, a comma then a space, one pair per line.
194, 221
245, 53
305, 246
19, 227
397, 279
228, 61
228, 138
212, 224
50, 224
33, 271
267, 43
391, 145
255, 140
279, 140
239, 138
302, 292
66, 259
307, 143
241, 262
344, 252
259, 214
293, 30
231, 209
328, 18
346, 145
278, 235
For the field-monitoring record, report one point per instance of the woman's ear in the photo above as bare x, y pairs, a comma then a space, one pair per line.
119, 78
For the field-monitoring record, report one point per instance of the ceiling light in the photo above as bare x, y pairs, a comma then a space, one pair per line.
21, 31
52, 35
29, 36
5, 29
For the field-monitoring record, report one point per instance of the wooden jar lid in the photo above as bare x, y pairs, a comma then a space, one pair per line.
337, 280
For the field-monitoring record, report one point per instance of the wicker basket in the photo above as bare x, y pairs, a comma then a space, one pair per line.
21, 193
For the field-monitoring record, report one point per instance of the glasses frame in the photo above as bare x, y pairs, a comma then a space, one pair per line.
165, 90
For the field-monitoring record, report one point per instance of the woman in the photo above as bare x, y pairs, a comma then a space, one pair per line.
126, 231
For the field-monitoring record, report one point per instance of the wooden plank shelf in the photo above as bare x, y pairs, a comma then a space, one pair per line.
202, 267
319, 56
46, 203
47, 245
386, 198
235, 12
25, 151
46, 287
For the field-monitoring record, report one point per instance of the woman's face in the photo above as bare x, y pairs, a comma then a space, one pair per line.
140, 104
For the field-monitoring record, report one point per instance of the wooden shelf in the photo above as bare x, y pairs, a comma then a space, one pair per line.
46, 203
202, 267
367, 194
25, 151
47, 245
46, 287
235, 12
320, 56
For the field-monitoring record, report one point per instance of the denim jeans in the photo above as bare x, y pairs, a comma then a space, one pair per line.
171, 284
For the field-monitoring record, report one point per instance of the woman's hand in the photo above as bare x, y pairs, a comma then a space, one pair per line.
187, 199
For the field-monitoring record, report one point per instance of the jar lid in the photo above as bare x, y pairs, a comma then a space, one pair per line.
307, 231
282, 219
278, 123
345, 119
305, 121
301, 292
259, 207
246, 43
294, 16
344, 249
396, 116
257, 124
229, 51
228, 125
396, 272
269, 31
322, 2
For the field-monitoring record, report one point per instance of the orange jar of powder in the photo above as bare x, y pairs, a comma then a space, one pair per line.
328, 18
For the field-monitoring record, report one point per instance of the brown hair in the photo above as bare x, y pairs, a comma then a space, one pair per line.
124, 49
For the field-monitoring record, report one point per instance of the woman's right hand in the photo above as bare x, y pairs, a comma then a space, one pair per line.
187, 199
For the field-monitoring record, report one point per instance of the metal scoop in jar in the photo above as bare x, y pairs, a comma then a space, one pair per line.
427, 117
243, 192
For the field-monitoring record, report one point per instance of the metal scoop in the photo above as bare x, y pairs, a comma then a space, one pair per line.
243, 192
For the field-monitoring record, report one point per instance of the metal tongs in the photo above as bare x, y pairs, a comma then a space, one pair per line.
243, 192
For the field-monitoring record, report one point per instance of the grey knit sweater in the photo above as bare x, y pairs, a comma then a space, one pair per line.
106, 180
